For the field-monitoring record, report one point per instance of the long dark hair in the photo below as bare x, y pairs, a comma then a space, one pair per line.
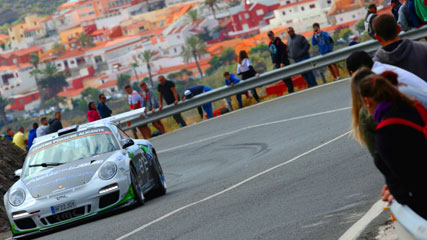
90, 106
242, 55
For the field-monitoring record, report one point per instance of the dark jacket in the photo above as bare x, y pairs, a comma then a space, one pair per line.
104, 111
279, 52
367, 126
298, 46
395, 11
401, 157
369, 19
409, 55
54, 125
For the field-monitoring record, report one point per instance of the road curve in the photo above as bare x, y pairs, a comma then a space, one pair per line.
283, 169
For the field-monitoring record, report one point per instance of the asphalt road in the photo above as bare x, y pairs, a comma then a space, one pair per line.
318, 194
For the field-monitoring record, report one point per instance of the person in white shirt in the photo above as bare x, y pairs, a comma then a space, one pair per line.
246, 70
42, 129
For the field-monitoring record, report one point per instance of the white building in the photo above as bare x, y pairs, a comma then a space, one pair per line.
15, 79
300, 14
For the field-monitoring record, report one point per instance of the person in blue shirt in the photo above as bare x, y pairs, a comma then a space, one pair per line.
32, 135
103, 110
9, 134
197, 90
395, 4
231, 80
326, 45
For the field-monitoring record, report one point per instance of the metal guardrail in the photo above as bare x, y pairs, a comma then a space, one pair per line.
408, 224
264, 79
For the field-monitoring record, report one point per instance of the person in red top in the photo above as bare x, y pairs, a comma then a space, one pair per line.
92, 114
135, 102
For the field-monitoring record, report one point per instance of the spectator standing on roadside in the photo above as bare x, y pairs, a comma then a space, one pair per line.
247, 71
407, 54
298, 51
9, 134
354, 41
150, 102
415, 19
231, 80
103, 110
404, 20
197, 90
167, 91
55, 123
135, 102
326, 45
32, 135
43, 128
19, 139
369, 19
395, 7
399, 147
92, 114
279, 55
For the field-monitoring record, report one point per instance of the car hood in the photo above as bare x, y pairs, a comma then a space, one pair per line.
65, 176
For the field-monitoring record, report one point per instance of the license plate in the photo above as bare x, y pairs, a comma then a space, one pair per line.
63, 207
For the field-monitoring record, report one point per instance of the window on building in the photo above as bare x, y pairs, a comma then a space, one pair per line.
174, 49
341, 19
312, 6
354, 16
58, 65
329, 1
260, 12
245, 27
240, 17
246, 16
21, 101
3, 63
91, 13
289, 21
15, 61
302, 8
22, 36
288, 2
283, 13
72, 62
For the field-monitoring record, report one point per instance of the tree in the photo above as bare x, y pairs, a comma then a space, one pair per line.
90, 94
85, 40
360, 25
79, 104
194, 48
123, 81
135, 65
186, 72
345, 33
212, 5
54, 81
146, 57
58, 49
35, 61
3, 103
228, 56
192, 16
259, 48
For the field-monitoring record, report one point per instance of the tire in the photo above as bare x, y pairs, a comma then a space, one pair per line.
139, 195
159, 178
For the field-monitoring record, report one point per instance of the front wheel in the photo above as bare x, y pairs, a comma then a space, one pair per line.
137, 189
159, 177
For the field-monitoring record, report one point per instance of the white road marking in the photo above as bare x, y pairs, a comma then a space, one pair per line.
354, 231
231, 187
253, 126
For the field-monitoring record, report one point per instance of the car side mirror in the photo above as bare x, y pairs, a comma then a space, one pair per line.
18, 173
127, 143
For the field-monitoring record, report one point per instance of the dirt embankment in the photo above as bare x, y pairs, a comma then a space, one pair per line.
11, 159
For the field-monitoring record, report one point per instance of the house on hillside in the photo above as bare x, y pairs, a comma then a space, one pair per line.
301, 15
16, 79
24, 102
249, 18
346, 11
18, 57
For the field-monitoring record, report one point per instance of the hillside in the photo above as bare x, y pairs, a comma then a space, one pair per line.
12, 11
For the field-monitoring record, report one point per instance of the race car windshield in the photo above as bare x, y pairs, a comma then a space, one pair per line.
69, 149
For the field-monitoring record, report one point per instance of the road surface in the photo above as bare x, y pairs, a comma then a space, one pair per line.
283, 169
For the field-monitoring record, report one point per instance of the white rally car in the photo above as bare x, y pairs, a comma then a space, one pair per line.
79, 172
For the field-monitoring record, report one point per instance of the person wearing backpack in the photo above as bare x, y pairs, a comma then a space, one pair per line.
400, 142
279, 56
369, 19
326, 45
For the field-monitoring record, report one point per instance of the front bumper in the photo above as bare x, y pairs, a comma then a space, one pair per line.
88, 202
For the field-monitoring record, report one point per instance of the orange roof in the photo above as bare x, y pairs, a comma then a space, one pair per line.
340, 6
67, 5
23, 52
32, 29
71, 54
4, 36
112, 42
203, 63
47, 19
108, 84
217, 48
71, 93
15, 67
295, 4
97, 32
140, 77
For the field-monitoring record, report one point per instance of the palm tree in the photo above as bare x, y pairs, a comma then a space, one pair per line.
212, 5
194, 48
123, 80
53, 80
146, 58
3, 103
35, 61
192, 16
134, 65
85, 40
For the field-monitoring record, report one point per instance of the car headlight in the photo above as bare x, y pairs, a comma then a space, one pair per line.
107, 171
17, 197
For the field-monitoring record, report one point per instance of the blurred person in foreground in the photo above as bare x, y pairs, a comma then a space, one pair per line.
43, 128
9, 134
103, 110
151, 102
32, 135
400, 142
370, 16
407, 54
55, 123
395, 7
